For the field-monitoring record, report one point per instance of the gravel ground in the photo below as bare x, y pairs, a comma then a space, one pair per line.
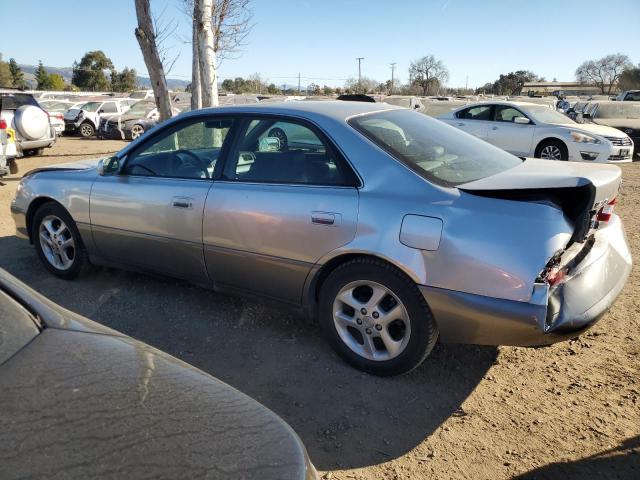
571, 410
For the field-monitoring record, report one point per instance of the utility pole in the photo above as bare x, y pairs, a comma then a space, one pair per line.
393, 69
466, 84
298, 83
359, 59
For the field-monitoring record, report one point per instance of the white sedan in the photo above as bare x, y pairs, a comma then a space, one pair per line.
530, 130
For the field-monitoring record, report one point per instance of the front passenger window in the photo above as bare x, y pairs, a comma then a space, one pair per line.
480, 112
184, 151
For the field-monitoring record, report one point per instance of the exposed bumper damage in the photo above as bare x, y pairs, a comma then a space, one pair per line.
556, 313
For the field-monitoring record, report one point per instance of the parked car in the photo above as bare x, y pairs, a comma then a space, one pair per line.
84, 120
92, 402
629, 96
27, 129
622, 116
392, 228
577, 109
530, 130
138, 95
142, 116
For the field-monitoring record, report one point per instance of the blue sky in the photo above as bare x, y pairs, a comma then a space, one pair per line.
475, 39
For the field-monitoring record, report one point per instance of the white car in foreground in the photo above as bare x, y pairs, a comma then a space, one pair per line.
531, 130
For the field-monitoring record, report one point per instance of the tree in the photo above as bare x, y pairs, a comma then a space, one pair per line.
219, 29
365, 85
429, 73
17, 76
42, 78
124, 81
605, 72
272, 89
89, 73
6, 80
630, 79
56, 82
512, 82
328, 90
146, 35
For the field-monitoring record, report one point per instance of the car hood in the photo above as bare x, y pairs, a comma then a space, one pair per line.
596, 129
620, 123
92, 402
89, 164
72, 113
536, 174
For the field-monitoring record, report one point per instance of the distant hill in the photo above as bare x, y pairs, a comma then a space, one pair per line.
67, 74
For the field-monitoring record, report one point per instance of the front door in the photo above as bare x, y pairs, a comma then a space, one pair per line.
148, 213
474, 120
286, 198
515, 138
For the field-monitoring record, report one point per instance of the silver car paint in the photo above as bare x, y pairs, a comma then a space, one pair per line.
255, 244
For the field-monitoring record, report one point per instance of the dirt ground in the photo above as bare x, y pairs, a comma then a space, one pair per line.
571, 410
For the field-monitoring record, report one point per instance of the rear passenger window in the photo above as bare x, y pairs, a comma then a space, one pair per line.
109, 107
481, 112
273, 151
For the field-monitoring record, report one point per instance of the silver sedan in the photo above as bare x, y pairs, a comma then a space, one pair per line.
391, 228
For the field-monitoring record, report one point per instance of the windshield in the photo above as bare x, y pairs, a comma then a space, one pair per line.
141, 108
546, 115
618, 110
438, 152
91, 106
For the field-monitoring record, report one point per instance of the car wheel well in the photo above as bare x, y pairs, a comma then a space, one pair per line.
33, 208
330, 266
542, 142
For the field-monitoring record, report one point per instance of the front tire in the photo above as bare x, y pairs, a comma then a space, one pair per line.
86, 130
375, 317
552, 150
58, 242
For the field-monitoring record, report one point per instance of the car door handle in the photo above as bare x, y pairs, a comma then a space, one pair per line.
494, 128
325, 218
461, 124
182, 202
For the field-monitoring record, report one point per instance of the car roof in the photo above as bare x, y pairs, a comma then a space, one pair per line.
503, 102
337, 109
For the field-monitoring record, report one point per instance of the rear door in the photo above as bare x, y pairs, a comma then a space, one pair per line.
286, 198
149, 212
474, 120
516, 138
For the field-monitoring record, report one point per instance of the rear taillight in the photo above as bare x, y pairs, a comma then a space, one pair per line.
3, 124
604, 214
59, 116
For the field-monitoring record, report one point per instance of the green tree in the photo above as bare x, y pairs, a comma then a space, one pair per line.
56, 82
327, 90
512, 82
124, 81
5, 74
630, 79
16, 74
272, 89
42, 78
89, 73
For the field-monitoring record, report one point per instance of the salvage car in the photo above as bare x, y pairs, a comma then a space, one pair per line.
624, 116
142, 116
531, 130
26, 124
388, 226
85, 119
92, 402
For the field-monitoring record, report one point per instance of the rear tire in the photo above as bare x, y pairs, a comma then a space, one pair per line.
375, 317
552, 150
58, 242
13, 166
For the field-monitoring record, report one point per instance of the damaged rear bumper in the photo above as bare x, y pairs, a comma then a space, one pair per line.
552, 315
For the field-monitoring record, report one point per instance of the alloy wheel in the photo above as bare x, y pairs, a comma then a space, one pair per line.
551, 152
57, 242
86, 130
136, 131
371, 320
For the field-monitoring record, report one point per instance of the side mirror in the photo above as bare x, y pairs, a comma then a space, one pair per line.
522, 120
101, 168
108, 166
100, 112
269, 144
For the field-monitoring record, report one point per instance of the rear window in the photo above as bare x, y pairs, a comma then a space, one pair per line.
438, 152
13, 101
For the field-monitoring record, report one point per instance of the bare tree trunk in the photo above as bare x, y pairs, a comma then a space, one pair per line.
207, 57
145, 33
196, 90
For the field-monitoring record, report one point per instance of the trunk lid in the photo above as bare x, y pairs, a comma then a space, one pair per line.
578, 189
